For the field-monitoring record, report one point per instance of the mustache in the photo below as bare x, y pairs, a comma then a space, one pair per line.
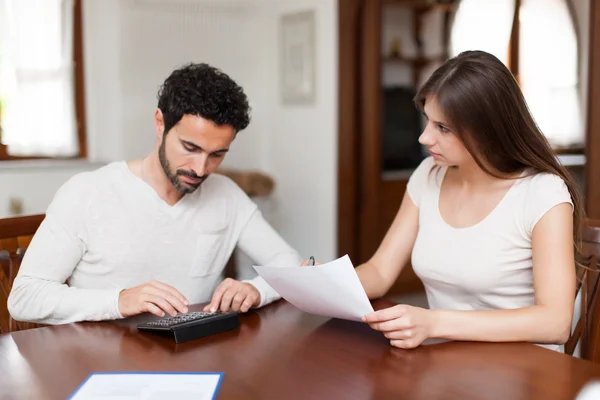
191, 174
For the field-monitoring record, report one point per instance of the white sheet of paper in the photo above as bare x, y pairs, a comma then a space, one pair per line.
149, 386
590, 391
331, 289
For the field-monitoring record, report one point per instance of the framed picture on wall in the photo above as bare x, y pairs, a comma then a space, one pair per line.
298, 80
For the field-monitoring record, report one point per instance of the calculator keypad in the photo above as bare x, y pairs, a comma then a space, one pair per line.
179, 319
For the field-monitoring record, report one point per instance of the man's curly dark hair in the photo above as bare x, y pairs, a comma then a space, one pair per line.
204, 91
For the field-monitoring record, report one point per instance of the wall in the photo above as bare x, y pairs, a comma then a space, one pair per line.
130, 47
302, 141
34, 185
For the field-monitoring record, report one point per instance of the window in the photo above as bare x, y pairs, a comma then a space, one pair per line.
483, 25
41, 79
537, 41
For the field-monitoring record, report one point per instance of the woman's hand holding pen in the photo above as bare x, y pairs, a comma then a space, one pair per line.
405, 326
310, 262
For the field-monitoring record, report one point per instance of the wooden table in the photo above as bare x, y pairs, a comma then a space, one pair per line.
280, 352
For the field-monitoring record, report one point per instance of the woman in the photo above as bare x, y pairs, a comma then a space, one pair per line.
491, 219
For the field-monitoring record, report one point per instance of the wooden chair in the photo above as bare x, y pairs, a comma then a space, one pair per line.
15, 235
587, 330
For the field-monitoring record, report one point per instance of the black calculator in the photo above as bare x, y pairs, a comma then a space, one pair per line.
192, 325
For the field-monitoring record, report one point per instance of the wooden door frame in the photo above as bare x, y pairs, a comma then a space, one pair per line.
348, 122
592, 145
370, 109
359, 136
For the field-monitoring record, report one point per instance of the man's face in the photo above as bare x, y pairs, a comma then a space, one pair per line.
192, 150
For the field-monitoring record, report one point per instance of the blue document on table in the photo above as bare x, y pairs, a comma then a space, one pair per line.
149, 386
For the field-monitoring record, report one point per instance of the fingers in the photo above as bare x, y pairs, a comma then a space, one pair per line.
306, 263
245, 299
386, 314
161, 302
404, 344
222, 301
154, 297
215, 302
399, 335
227, 298
154, 309
173, 301
246, 304
171, 290
233, 295
393, 325
237, 301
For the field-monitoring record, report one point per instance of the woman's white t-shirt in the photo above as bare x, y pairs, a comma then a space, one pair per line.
487, 266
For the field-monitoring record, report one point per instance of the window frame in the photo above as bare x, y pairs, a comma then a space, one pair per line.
79, 87
513, 61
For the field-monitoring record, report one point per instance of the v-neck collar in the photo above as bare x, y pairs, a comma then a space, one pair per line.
174, 210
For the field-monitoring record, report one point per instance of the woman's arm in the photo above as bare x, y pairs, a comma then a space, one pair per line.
379, 273
549, 320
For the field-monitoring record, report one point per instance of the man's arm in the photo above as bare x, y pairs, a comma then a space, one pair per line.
266, 247
39, 293
261, 243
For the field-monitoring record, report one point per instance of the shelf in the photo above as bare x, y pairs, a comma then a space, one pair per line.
572, 149
397, 175
415, 61
421, 6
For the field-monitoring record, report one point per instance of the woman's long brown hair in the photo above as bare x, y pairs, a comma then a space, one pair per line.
485, 107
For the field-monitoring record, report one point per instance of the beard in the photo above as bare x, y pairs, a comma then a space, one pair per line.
174, 177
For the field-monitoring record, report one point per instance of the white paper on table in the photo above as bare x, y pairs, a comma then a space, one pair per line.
332, 289
149, 386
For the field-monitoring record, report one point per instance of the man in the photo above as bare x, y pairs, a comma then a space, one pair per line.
153, 235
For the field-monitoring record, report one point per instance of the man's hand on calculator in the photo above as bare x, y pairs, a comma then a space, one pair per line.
233, 295
155, 297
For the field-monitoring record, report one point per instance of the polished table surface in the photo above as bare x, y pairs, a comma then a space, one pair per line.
280, 352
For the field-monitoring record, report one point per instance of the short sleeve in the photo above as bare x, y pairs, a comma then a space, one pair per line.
546, 191
417, 183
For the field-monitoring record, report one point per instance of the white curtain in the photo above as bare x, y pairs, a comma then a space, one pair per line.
548, 69
483, 25
37, 77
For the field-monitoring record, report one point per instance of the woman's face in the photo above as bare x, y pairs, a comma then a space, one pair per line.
441, 140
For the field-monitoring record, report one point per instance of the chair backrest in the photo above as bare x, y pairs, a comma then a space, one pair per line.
587, 329
15, 235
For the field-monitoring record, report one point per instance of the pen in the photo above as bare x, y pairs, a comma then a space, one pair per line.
311, 261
